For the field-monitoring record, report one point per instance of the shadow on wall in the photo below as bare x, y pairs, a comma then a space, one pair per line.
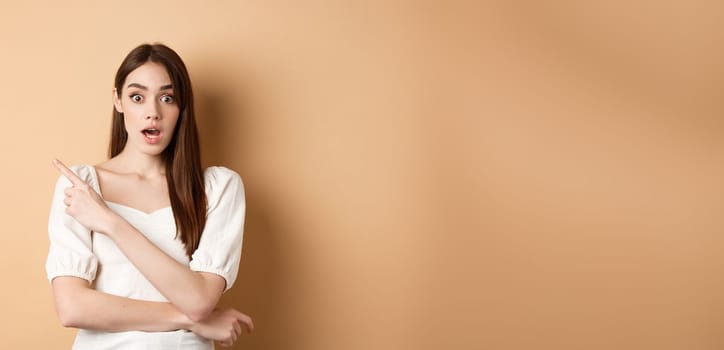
224, 127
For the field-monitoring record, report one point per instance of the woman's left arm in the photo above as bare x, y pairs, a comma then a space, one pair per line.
193, 293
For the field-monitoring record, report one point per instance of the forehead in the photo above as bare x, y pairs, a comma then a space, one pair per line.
151, 74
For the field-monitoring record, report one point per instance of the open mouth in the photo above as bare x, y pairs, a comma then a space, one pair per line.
151, 132
151, 135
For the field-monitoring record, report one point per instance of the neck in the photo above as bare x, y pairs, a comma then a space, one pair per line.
142, 164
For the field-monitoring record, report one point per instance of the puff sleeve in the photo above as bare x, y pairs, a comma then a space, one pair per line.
71, 251
219, 249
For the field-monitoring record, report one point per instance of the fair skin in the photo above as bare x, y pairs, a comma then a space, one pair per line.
136, 178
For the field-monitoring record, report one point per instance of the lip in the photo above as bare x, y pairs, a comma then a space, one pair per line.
152, 139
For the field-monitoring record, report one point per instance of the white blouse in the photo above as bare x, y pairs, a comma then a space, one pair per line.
77, 251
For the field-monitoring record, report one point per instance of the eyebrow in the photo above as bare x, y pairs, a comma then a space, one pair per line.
136, 85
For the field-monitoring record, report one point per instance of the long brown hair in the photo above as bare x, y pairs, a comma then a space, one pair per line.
182, 156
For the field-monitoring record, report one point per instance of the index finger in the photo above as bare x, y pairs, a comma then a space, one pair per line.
69, 174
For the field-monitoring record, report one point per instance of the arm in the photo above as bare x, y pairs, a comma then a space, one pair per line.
194, 293
80, 306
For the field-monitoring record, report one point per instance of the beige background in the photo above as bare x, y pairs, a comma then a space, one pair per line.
420, 175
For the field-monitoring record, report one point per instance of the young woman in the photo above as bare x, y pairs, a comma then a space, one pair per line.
143, 245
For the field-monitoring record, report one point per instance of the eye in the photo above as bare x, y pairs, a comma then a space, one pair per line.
136, 98
167, 99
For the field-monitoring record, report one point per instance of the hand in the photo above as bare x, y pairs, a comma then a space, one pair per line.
83, 203
223, 326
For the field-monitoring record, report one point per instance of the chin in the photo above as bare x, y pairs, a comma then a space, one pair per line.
151, 150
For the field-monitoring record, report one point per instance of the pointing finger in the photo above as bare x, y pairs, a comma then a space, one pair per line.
69, 174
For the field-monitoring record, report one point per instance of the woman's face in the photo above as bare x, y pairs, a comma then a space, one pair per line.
149, 108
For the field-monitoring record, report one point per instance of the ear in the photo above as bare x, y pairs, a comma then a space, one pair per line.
117, 101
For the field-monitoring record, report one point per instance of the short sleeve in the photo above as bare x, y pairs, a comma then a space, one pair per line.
219, 249
71, 251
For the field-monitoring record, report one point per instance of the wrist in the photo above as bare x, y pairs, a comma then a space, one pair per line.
113, 224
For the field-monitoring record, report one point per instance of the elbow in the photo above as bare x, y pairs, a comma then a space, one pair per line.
68, 317
68, 302
68, 322
71, 314
201, 303
200, 308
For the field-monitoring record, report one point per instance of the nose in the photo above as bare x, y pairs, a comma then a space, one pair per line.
152, 113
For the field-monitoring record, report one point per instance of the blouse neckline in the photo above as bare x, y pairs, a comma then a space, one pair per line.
94, 173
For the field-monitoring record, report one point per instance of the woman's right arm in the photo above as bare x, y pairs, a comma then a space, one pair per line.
80, 306
71, 265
